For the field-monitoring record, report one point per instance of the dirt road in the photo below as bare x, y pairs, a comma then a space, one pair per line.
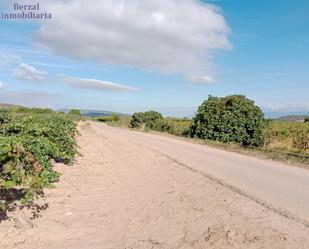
127, 193
273, 184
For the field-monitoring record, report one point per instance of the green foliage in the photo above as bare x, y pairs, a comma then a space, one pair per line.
21, 109
137, 120
153, 121
105, 119
306, 120
148, 119
175, 126
115, 117
75, 112
28, 143
232, 119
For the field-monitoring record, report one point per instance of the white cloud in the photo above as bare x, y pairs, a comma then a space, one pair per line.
96, 84
27, 72
165, 36
7, 59
2, 86
41, 64
201, 79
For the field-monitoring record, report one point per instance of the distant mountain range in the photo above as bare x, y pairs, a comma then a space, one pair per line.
287, 116
297, 118
6, 106
94, 113
84, 112
284, 116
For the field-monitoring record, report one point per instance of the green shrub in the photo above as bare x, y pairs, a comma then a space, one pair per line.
75, 112
28, 143
306, 120
232, 119
137, 120
115, 117
148, 119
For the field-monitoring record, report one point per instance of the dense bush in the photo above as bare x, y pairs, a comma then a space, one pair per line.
307, 120
28, 142
137, 120
115, 117
154, 120
148, 119
75, 112
230, 119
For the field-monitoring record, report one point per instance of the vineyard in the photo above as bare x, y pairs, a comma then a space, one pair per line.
29, 141
288, 136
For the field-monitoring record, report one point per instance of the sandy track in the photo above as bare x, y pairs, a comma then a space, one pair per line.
276, 185
122, 195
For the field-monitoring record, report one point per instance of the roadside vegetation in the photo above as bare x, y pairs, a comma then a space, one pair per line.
288, 136
75, 112
232, 119
30, 139
106, 119
234, 123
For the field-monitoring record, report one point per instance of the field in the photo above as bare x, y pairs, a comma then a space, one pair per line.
29, 140
288, 136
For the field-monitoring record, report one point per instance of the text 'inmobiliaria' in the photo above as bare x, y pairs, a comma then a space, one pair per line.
25, 11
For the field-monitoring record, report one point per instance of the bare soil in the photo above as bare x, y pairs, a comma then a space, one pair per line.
122, 195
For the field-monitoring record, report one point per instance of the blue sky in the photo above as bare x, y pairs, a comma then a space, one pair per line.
124, 62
